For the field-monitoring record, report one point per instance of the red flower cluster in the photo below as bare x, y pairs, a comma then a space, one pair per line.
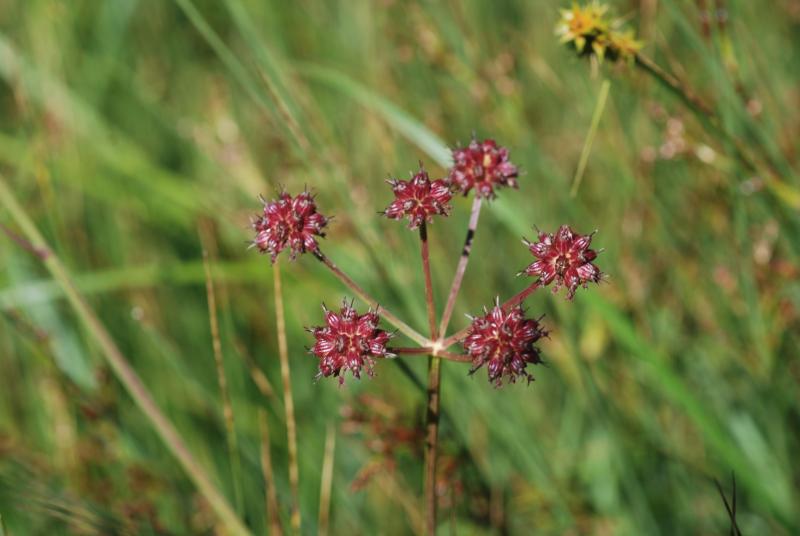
349, 341
483, 166
504, 342
564, 258
503, 339
419, 199
289, 221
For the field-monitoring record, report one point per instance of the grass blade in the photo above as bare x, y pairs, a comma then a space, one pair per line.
587, 145
408, 126
271, 497
122, 368
326, 483
227, 407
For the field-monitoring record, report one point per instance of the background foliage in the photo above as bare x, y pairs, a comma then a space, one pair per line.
137, 132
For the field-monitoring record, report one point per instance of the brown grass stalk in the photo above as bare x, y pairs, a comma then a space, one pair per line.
227, 407
326, 482
288, 401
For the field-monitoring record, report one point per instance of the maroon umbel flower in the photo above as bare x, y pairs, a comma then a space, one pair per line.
563, 257
289, 221
504, 341
483, 166
349, 341
419, 199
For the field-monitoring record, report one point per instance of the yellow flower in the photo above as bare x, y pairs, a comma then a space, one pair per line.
624, 45
588, 29
581, 25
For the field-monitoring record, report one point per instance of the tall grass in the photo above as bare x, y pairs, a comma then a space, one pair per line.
126, 123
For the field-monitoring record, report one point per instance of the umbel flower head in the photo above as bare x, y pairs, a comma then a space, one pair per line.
419, 199
288, 221
349, 341
563, 257
589, 31
483, 166
505, 342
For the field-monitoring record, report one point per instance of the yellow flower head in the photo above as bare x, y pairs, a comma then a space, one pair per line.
588, 29
624, 45
581, 25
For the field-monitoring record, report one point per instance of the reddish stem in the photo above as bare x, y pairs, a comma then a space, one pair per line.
404, 328
426, 350
511, 302
426, 268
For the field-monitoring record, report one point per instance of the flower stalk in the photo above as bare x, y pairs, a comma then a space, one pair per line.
401, 326
502, 340
458, 278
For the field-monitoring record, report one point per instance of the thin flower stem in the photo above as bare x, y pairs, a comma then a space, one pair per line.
434, 385
449, 356
426, 268
426, 350
766, 168
288, 401
462, 265
391, 318
122, 368
432, 442
676, 86
423, 350
511, 302
587, 144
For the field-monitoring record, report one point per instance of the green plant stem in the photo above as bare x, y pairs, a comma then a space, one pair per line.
122, 368
587, 144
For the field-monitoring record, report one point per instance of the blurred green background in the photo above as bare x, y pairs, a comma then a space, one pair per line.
139, 132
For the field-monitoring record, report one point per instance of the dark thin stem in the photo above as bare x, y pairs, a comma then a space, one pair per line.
24, 244
511, 302
434, 384
424, 350
431, 442
426, 268
763, 166
462, 265
676, 86
391, 318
